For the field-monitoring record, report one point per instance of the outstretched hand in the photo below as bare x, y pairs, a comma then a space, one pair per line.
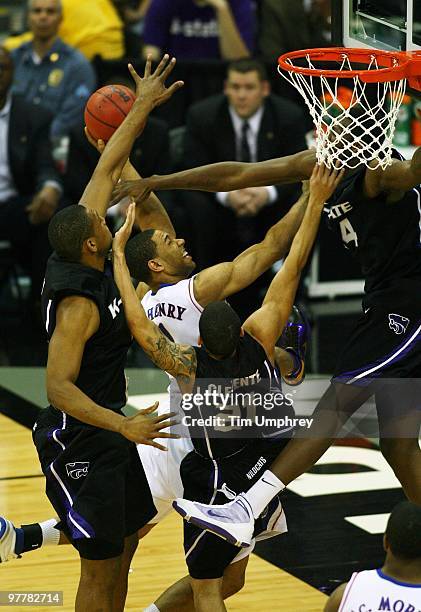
323, 182
151, 87
124, 233
143, 427
139, 190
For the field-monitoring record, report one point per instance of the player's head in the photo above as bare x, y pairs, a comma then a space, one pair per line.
153, 256
77, 233
6, 71
246, 86
220, 329
44, 18
403, 532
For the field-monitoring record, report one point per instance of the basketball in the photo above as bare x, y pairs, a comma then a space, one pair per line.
106, 109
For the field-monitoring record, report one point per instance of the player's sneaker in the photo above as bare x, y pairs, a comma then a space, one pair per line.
7, 540
234, 522
294, 340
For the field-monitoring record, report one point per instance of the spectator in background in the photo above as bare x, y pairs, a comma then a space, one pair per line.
247, 124
132, 13
50, 73
93, 28
199, 29
397, 585
289, 26
29, 185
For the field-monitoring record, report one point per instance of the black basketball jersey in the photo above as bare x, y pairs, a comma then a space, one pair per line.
385, 237
101, 375
247, 384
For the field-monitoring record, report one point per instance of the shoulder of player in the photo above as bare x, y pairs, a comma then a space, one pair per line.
141, 290
334, 601
78, 313
208, 284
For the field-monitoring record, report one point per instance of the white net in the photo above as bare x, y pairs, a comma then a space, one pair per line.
352, 128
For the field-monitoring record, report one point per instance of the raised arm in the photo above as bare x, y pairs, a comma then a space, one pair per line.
267, 323
150, 213
225, 279
400, 176
226, 176
179, 360
77, 320
150, 92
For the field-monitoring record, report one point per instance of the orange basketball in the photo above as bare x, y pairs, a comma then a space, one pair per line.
106, 109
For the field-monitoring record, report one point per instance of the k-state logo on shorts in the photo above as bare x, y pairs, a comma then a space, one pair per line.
397, 323
78, 469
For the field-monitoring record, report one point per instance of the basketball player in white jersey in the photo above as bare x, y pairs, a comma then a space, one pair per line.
174, 302
397, 585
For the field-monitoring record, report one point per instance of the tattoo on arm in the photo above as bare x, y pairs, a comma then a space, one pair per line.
176, 359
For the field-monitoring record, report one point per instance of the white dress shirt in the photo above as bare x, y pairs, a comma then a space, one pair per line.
252, 137
7, 186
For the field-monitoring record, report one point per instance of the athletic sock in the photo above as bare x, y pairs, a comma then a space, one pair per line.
260, 494
50, 535
151, 608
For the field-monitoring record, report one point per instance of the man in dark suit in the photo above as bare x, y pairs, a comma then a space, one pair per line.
246, 124
29, 185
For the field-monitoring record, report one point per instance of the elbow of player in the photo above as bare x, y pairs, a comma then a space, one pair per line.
55, 392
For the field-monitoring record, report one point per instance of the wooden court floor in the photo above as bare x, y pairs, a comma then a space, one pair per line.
158, 562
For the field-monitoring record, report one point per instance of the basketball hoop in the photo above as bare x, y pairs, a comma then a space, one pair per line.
356, 128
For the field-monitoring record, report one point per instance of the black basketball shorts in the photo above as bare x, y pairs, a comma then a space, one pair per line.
95, 481
209, 481
385, 343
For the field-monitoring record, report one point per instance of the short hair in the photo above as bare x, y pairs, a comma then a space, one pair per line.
58, 2
403, 531
68, 230
220, 328
139, 251
249, 65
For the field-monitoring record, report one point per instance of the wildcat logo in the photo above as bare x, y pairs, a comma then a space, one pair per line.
397, 323
78, 469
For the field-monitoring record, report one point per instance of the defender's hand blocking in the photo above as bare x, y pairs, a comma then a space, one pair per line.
323, 182
151, 87
143, 428
124, 233
139, 190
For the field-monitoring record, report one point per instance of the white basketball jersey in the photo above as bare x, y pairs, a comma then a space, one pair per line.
374, 591
174, 309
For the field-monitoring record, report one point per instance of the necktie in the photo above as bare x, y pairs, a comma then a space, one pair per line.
245, 154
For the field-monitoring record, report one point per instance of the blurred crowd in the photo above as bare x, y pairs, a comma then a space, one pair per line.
234, 106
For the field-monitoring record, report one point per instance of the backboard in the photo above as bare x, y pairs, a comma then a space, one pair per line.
380, 24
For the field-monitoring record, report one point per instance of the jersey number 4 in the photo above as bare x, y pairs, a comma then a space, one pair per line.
348, 233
